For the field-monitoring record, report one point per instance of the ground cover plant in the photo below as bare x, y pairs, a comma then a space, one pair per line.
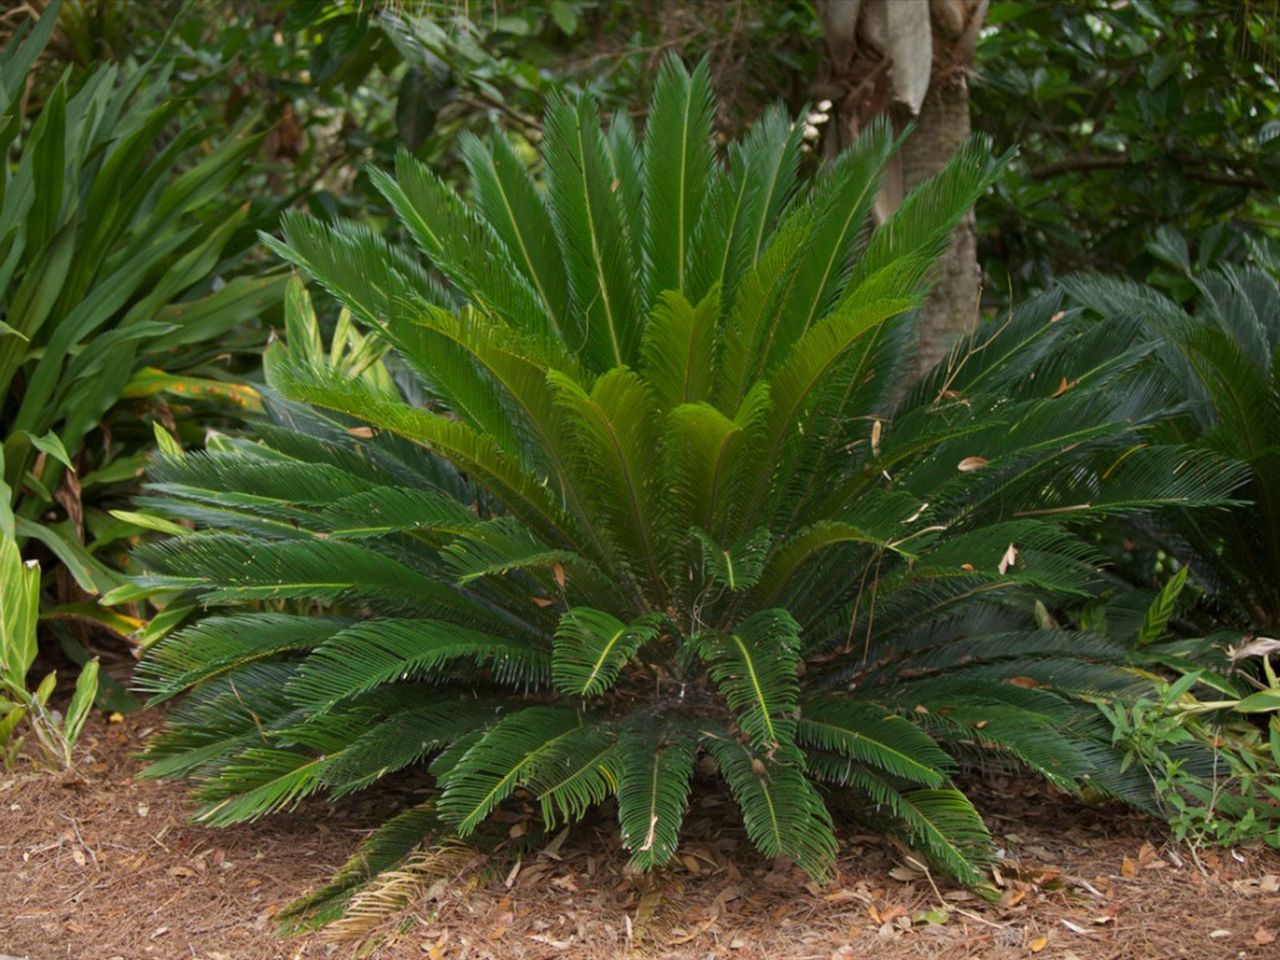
640, 485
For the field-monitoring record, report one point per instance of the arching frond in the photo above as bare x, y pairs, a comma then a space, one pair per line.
782, 811
500, 761
655, 763
754, 665
592, 647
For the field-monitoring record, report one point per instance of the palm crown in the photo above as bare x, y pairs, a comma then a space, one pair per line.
627, 492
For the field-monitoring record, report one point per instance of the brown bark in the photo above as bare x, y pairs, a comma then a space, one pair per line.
878, 52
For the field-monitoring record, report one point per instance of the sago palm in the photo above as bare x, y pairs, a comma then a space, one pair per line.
647, 489
1221, 360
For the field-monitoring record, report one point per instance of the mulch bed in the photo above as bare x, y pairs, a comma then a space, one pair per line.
97, 866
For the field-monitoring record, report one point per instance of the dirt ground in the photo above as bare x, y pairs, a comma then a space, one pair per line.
97, 866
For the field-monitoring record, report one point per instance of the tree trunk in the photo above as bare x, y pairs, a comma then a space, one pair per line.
911, 59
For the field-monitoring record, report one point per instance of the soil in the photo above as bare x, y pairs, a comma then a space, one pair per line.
97, 865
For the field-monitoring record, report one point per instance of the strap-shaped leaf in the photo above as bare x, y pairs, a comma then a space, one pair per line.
755, 665
592, 647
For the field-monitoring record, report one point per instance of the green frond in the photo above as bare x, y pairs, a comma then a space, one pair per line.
367, 655
743, 205
592, 647
256, 782
841, 203
359, 268
380, 511
475, 453
372, 750
679, 348
577, 773
614, 427
216, 645
655, 762
511, 203
677, 167
874, 737
590, 226
461, 244
708, 463
496, 547
917, 231
754, 665
231, 569
739, 565
499, 762
782, 811
942, 822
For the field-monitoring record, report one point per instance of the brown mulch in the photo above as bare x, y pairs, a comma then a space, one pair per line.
96, 865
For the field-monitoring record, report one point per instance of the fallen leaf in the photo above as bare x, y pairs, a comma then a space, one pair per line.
934, 918
365, 433
969, 464
1264, 937
1038, 944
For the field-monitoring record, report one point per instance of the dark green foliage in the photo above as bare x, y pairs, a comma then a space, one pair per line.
1220, 358
1137, 124
662, 509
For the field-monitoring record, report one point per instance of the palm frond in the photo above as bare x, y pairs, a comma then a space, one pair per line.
592, 647
782, 811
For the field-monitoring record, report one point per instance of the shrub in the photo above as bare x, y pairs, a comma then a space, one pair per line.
1223, 379
647, 486
112, 229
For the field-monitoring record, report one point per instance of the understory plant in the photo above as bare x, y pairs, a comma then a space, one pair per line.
1223, 381
22, 707
114, 227
643, 490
